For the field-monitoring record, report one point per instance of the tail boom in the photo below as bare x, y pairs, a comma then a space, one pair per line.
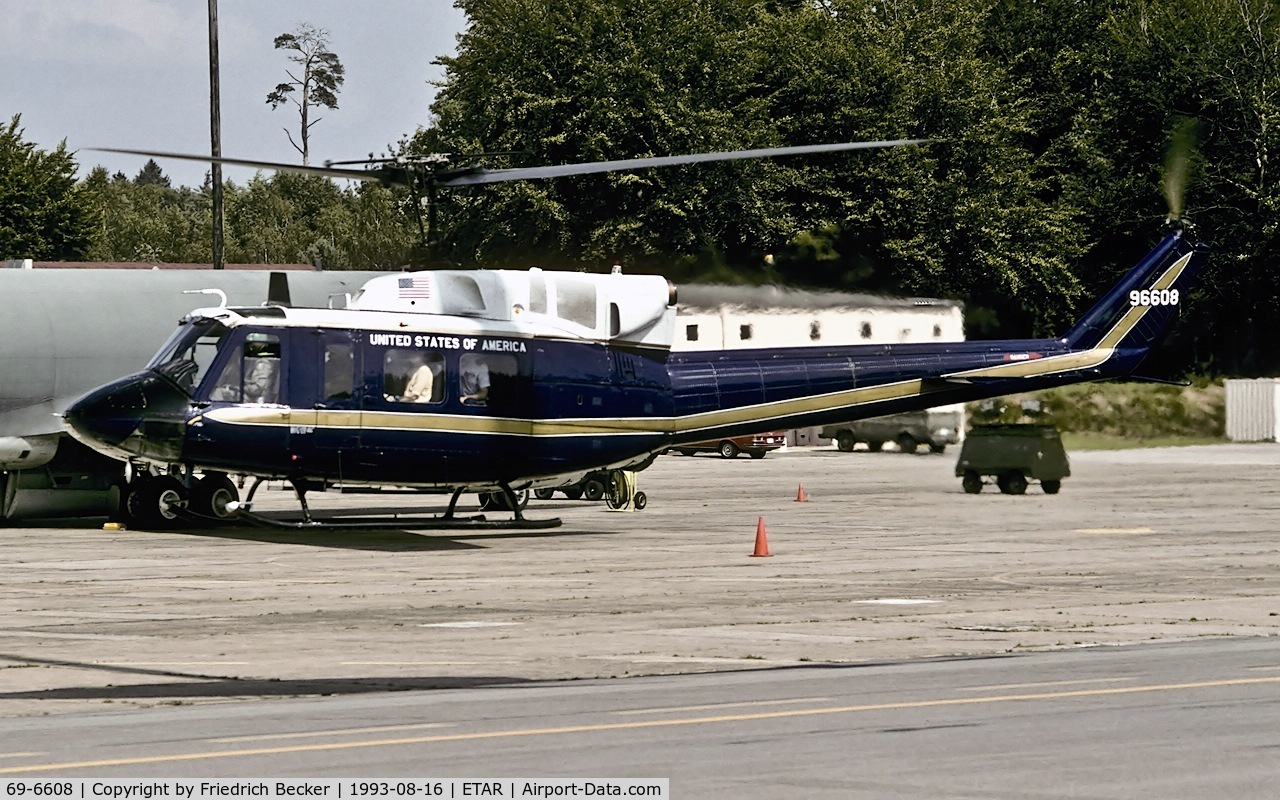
720, 393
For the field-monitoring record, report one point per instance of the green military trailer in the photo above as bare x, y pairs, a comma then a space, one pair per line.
1013, 454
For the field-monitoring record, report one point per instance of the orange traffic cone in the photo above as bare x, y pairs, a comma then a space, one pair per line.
801, 495
762, 542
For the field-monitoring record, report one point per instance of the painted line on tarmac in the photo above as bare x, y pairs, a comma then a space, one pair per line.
1106, 531
745, 704
262, 737
639, 724
1007, 686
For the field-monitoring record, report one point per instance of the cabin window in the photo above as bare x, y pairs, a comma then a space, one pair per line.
253, 374
483, 379
413, 376
744, 332
866, 330
576, 301
691, 333
815, 331
937, 331
615, 319
339, 375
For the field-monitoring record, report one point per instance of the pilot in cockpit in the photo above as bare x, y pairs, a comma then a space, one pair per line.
262, 383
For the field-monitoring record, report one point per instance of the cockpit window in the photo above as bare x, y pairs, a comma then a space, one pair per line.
253, 374
190, 350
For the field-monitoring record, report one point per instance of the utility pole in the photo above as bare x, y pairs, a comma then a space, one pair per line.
215, 133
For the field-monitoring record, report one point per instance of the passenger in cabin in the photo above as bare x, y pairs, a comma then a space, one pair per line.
473, 380
262, 383
421, 381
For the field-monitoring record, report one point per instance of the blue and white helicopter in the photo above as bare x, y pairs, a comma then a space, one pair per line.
497, 381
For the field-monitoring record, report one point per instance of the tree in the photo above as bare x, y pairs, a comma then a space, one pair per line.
42, 212
152, 175
137, 221
580, 80
320, 74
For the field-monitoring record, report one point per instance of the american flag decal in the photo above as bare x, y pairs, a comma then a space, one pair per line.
418, 286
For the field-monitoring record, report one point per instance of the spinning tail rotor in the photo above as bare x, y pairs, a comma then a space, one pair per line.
1177, 165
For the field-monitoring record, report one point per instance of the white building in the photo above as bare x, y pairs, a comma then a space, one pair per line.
711, 317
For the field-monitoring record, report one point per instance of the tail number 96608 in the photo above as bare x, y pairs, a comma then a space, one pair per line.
1153, 297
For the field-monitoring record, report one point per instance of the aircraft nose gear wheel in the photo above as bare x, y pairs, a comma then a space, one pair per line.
155, 502
211, 494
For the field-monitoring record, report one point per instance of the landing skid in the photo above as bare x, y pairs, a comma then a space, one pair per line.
446, 521
477, 523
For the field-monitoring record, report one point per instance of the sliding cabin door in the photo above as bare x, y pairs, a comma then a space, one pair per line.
325, 392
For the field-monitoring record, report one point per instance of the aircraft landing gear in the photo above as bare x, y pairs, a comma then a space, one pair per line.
211, 496
497, 501
154, 501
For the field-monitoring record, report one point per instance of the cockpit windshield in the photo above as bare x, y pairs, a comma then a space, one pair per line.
190, 350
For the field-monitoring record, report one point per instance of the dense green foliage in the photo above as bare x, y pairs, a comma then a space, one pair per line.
1134, 411
285, 218
42, 213
1051, 123
1061, 135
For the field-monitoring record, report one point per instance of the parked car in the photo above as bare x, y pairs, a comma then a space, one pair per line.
755, 446
937, 429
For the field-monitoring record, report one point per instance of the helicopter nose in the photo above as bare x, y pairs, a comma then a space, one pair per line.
109, 414
138, 415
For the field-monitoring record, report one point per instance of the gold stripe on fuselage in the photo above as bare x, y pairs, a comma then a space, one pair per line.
281, 416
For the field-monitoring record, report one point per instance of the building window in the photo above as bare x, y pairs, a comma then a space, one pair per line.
815, 331
866, 330
691, 333
744, 332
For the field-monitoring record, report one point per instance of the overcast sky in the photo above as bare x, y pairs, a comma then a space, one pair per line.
135, 74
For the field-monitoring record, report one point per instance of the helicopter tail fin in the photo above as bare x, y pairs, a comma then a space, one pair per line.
1138, 310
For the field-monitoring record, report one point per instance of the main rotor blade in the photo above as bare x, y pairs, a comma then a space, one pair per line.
326, 172
472, 176
479, 176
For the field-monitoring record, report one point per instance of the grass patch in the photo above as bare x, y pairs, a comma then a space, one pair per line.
1117, 415
1103, 441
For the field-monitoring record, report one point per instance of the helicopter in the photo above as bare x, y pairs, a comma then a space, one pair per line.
533, 379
